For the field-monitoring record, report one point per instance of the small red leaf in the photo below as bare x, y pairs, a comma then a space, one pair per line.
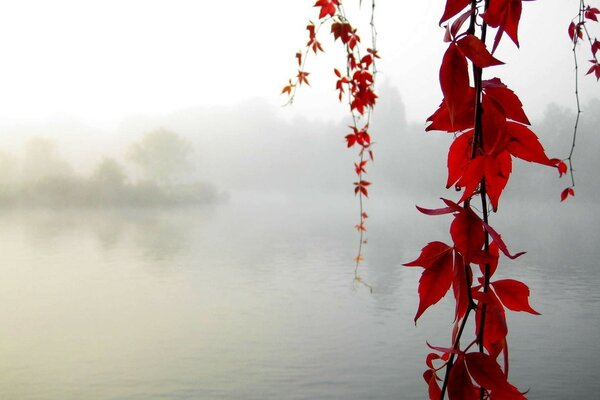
566, 193
453, 7
474, 49
328, 7
497, 238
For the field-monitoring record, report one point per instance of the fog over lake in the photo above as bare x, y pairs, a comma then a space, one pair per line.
227, 272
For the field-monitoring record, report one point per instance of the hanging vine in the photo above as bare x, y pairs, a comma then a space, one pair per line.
357, 84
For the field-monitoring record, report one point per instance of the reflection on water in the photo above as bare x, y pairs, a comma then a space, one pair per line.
256, 301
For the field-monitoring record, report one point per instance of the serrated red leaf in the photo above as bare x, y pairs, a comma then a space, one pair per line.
525, 145
474, 49
505, 99
454, 81
453, 7
436, 258
514, 295
303, 77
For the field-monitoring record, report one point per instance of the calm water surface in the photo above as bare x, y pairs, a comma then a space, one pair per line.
255, 300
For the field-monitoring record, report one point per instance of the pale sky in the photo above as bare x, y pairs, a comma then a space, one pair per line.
100, 61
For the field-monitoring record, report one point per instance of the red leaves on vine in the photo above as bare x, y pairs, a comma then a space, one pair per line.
504, 15
453, 7
591, 13
460, 385
595, 69
566, 193
575, 31
328, 7
474, 49
487, 373
361, 187
303, 77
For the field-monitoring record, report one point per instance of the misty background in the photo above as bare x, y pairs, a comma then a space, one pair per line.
203, 155
169, 230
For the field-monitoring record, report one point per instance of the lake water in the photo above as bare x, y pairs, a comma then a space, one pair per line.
255, 300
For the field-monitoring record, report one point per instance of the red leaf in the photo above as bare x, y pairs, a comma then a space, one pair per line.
571, 31
468, 234
566, 193
595, 47
328, 7
440, 119
474, 49
435, 211
487, 373
434, 390
453, 7
303, 77
506, 100
495, 331
562, 168
590, 13
497, 238
595, 68
342, 31
514, 295
525, 145
460, 287
458, 22
460, 386
454, 81
504, 15
432, 253
459, 156
436, 258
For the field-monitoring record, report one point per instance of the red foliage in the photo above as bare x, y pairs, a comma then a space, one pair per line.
490, 128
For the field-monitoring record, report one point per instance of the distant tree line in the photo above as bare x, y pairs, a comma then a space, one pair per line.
41, 177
